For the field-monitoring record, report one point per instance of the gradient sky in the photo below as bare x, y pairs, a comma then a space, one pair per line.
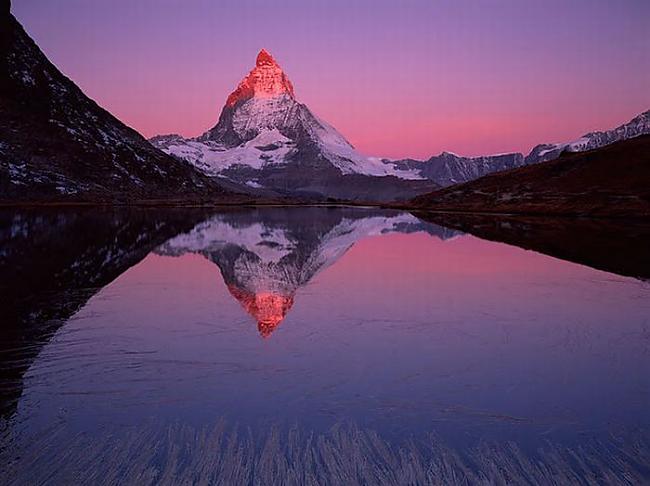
397, 78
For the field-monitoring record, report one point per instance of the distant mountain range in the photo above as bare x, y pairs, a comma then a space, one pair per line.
266, 140
57, 144
609, 181
640, 125
448, 169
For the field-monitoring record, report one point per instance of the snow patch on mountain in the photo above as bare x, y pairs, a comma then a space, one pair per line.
349, 161
269, 147
639, 125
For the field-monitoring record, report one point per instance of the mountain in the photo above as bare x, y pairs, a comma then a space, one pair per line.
266, 256
639, 125
266, 138
57, 144
448, 169
611, 181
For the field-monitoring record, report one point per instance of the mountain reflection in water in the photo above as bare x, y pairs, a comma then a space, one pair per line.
266, 256
409, 352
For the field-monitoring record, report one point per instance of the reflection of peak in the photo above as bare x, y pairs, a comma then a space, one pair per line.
266, 256
268, 309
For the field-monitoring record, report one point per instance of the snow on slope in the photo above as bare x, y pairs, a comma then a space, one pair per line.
344, 156
269, 147
639, 125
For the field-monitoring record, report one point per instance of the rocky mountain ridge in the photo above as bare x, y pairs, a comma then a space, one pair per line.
56, 144
609, 181
448, 168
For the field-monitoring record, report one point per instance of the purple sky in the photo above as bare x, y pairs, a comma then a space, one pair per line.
397, 78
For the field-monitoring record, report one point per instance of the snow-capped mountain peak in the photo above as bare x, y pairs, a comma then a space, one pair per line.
264, 131
265, 80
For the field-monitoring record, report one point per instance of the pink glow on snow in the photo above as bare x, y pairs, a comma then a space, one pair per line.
266, 80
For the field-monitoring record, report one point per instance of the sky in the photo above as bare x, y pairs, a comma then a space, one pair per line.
401, 78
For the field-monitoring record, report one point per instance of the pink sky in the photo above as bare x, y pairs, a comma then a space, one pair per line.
398, 79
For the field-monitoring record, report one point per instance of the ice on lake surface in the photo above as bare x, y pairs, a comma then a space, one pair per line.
320, 346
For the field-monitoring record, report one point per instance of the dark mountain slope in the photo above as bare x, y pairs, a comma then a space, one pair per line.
57, 144
612, 181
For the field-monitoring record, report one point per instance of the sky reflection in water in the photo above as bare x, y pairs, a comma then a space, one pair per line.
372, 318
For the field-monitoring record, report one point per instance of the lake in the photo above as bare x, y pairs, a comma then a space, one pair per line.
322, 346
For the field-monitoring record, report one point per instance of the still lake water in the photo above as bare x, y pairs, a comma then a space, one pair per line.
311, 346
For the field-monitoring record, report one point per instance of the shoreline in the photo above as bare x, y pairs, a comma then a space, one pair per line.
157, 204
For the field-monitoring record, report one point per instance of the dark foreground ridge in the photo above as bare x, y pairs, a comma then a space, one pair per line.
56, 144
612, 181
